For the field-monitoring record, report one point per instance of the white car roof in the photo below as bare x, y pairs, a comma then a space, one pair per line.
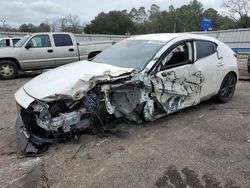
165, 37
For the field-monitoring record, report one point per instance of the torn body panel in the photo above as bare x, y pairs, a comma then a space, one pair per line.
175, 90
122, 97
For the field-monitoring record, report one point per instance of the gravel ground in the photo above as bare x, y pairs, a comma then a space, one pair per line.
203, 146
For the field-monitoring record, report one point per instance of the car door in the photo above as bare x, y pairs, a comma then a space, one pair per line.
207, 62
65, 49
38, 53
176, 82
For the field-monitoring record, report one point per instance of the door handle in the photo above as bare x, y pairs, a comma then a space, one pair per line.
220, 63
71, 49
50, 51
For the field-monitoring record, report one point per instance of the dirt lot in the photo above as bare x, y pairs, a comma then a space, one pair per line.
206, 145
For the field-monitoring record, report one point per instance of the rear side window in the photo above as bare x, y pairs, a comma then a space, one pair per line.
15, 41
62, 40
205, 48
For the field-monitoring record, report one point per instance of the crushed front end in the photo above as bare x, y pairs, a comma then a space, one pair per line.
42, 123
62, 117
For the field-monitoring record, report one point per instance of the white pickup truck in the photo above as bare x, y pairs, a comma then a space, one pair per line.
46, 50
7, 41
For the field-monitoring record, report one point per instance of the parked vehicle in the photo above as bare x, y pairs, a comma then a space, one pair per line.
46, 50
7, 42
138, 79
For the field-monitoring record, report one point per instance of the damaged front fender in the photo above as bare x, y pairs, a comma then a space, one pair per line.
26, 146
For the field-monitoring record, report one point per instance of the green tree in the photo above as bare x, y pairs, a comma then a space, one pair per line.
154, 19
139, 15
142, 14
43, 27
27, 28
153, 11
113, 22
188, 16
219, 22
133, 14
244, 21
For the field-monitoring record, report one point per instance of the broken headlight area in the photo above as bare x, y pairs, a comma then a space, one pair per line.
47, 122
44, 123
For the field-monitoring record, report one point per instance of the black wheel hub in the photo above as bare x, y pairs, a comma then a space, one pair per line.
228, 87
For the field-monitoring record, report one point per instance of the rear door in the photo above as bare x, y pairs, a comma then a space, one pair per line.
177, 83
208, 63
40, 54
66, 50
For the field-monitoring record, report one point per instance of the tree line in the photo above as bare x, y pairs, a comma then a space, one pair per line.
183, 19
140, 21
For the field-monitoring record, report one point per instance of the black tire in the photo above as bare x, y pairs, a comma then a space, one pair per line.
8, 70
248, 65
227, 88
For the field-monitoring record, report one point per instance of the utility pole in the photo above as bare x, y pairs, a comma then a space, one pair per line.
3, 21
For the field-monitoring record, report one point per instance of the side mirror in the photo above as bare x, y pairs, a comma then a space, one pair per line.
28, 46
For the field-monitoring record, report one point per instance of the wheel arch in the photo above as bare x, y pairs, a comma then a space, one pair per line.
14, 60
219, 96
234, 72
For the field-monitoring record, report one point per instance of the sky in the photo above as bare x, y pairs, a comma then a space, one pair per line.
17, 12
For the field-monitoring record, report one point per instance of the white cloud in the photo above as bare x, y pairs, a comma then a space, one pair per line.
46, 7
17, 12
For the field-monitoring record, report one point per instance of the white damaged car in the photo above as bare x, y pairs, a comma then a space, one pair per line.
139, 79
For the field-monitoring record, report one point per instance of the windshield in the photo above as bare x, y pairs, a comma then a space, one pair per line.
130, 53
22, 41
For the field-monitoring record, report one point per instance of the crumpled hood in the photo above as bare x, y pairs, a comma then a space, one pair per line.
72, 80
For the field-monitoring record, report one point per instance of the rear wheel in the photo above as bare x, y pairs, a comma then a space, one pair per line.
8, 70
227, 88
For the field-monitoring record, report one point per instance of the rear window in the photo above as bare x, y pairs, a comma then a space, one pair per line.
62, 40
15, 41
205, 48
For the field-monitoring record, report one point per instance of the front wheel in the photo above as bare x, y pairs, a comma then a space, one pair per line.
8, 70
227, 88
